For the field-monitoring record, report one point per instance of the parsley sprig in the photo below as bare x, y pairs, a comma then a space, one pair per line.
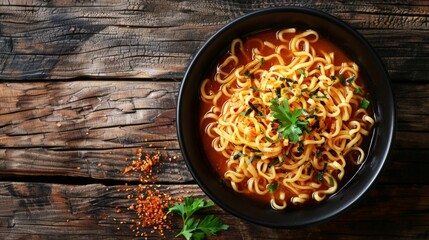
194, 228
290, 126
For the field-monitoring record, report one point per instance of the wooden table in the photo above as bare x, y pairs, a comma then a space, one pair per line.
86, 83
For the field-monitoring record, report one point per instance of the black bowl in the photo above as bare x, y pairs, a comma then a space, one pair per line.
371, 68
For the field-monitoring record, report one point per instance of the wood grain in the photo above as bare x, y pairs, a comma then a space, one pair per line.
66, 128
70, 128
84, 84
88, 115
112, 114
133, 39
54, 211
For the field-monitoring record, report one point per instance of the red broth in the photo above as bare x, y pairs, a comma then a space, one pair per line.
216, 159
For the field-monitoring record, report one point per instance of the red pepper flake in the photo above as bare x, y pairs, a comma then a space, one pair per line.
144, 164
148, 203
151, 206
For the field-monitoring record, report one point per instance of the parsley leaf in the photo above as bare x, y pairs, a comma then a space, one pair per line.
196, 228
290, 126
211, 224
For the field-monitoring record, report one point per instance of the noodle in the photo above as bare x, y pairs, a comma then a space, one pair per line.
286, 116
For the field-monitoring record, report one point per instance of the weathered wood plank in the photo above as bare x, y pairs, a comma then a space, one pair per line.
68, 39
91, 164
70, 128
88, 115
112, 114
405, 166
58, 211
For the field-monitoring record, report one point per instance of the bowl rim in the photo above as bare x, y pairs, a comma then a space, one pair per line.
363, 189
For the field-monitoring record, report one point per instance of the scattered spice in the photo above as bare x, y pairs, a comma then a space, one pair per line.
144, 165
149, 204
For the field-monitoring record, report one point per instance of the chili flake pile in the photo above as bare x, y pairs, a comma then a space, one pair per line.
150, 205
144, 164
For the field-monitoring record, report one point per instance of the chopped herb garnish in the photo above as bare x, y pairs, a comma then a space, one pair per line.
350, 79
237, 155
364, 103
254, 108
253, 158
304, 90
247, 112
272, 187
342, 80
269, 139
358, 91
247, 74
276, 161
288, 80
331, 182
319, 174
262, 60
310, 168
255, 89
333, 78
314, 92
278, 92
300, 147
301, 71
290, 126
312, 116
254, 150
282, 161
